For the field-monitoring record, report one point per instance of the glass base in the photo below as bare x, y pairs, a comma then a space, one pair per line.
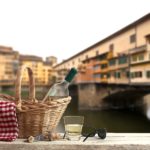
74, 138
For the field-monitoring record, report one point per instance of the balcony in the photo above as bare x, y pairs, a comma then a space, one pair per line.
113, 67
104, 62
138, 49
99, 62
104, 80
96, 62
104, 70
82, 68
97, 80
120, 66
97, 71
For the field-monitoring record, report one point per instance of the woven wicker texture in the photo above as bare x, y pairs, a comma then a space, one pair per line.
35, 117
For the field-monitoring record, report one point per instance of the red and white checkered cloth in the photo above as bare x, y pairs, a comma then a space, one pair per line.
8, 121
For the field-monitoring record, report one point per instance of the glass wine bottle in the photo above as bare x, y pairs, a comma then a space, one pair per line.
59, 90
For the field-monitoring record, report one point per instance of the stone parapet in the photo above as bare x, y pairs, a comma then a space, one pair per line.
113, 141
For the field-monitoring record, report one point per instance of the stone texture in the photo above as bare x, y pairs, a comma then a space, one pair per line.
113, 141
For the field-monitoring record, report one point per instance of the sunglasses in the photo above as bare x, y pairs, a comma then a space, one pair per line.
101, 132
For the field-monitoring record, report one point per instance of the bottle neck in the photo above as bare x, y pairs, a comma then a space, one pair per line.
66, 82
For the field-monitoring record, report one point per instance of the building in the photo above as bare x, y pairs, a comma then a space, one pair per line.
43, 72
8, 65
10, 60
49, 74
121, 58
52, 60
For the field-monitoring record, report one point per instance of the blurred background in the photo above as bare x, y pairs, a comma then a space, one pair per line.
108, 42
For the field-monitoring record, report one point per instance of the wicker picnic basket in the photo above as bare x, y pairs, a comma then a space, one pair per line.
35, 116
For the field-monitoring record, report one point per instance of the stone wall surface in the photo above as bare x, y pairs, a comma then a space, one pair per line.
93, 96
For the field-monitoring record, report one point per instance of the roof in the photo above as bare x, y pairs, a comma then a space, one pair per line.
30, 58
142, 19
6, 50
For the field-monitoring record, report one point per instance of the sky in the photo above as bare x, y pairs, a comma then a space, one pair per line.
63, 28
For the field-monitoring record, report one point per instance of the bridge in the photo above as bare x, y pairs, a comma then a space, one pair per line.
96, 96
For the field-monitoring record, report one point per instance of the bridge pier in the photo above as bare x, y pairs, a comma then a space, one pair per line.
92, 96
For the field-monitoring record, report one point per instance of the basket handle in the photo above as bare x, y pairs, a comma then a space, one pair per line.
18, 85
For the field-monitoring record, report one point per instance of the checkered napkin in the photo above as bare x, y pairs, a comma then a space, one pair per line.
8, 121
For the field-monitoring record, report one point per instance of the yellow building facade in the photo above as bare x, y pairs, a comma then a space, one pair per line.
10, 60
8, 65
44, 74
128, 60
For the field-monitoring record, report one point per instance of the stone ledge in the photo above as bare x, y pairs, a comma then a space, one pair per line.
113, 141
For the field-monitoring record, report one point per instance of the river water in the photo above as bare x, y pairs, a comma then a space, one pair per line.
126, 120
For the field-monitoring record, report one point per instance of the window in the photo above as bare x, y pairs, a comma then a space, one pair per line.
127, 74
78, 59
111, 47
97, 53
112, 62
133, 38
86, 57
108, 75
117, 75
134, 58
102, 57
137, 58
137, 74
104, 75
96, 67
132, 74
148, 38
148, 74
103, 66
122, 60
141, 57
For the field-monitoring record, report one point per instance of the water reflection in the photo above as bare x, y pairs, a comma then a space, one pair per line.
113, 120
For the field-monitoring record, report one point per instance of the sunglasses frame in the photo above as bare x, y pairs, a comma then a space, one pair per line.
101, 133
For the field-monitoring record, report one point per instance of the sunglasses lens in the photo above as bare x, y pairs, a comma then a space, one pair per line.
88, 131
102, 133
